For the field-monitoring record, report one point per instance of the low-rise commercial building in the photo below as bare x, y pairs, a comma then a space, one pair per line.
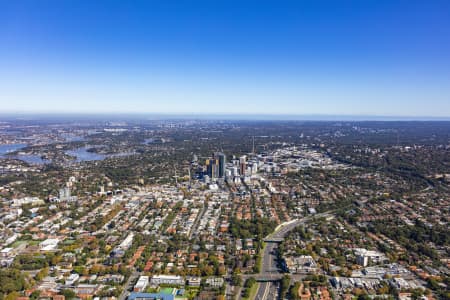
166, 279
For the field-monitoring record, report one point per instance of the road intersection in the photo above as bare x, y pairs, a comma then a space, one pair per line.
270, 271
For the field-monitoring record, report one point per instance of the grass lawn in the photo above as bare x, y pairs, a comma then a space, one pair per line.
33, 243
167, 291
191, 292
253, 291
18, 243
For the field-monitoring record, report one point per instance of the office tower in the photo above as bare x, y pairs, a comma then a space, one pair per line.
212, 167
222, 161
242, 164
235, 171
64, 194
208, 167
254, 168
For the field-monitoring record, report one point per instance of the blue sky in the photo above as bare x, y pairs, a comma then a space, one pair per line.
389, 58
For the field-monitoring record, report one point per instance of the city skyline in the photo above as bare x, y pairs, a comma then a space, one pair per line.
377, 58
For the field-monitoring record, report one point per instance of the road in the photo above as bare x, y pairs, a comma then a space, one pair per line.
269, 268
128, 285
263, 291
267, 290
270, 272
269, 259
197, 220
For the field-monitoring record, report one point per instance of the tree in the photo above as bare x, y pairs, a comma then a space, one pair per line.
35, 295
416, 293
293, 292
383, 289
284, 286
236, 279
12, 296
208, 270
246, 293
55, 260
433, 284
250, 282
11, 280
69, 294
42, 274
221, 270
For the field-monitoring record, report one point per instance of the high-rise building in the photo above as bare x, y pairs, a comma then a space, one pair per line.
212, 168
215, 167
208, 163
235, 171
64, 193
242, 164
222, 162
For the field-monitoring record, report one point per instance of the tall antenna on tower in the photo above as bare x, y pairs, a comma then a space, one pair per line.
176, 177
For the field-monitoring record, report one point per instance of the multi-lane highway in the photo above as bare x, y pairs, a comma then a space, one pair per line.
267, 290
269, 268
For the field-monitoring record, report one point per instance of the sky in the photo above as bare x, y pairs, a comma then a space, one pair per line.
378, 58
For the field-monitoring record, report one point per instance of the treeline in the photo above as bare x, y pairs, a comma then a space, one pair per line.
34, 262
11, 280
101, 221
249, 283
415, 238
258, 227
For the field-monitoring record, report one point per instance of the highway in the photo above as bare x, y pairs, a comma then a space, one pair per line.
263, 291
269, 268
269, 259
270, 272
267, 290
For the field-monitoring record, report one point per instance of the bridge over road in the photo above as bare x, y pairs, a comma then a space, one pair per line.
273, 240
272, 277
269, 269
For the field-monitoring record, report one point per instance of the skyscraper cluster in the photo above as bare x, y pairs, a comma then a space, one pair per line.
215, 166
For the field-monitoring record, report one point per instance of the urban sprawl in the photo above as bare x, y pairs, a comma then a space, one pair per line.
185, 209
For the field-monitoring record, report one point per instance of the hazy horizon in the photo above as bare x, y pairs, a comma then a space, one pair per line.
213, 116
